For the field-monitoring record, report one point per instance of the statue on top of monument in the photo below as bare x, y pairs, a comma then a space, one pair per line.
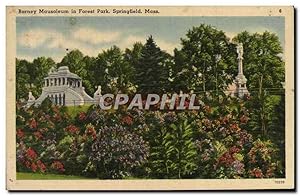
240, 50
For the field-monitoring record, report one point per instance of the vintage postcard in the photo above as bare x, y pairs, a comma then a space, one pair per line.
150, 98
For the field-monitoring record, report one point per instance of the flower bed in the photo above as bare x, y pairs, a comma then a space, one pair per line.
121, 144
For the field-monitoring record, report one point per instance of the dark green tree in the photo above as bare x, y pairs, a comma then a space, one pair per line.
22, 79
30, 76
39, 70
89, 80
152, 71
132, 57
277, 126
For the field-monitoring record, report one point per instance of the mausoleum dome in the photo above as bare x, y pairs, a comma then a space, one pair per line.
63, 69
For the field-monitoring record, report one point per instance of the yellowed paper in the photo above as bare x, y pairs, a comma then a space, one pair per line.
54, 32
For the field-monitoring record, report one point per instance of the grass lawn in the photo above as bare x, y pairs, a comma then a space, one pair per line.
74, 110
38, 176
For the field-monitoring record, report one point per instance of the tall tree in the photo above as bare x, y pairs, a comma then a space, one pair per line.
264, 69
206, 60
152, 72
133, 56
40, 69
89, 83
76, 62
30, 76
112, 72
22, 79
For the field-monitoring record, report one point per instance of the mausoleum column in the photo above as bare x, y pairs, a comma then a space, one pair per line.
59, 98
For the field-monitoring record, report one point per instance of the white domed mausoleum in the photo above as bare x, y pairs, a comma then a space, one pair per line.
63, 88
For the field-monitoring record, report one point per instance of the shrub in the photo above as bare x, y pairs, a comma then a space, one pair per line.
116, 151
262, 160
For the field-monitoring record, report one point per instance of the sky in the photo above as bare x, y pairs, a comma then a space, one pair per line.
51, 36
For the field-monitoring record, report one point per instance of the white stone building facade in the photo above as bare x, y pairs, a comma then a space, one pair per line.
63, 88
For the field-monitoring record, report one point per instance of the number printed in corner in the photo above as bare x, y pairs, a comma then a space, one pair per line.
279, 181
